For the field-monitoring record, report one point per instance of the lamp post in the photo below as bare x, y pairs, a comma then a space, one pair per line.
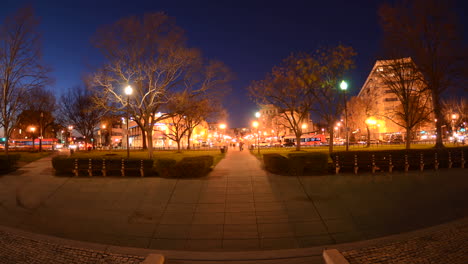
32, 129
222, 127
40, 131
344, 87
128, 92
255, 124
103, 141
70, 128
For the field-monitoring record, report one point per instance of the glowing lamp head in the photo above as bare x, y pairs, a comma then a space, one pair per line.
255, 124
343, 85
454, 116
222, 126
257, 115
128, 90
304, 126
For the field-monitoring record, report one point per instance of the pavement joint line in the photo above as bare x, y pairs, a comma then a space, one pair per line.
316, 210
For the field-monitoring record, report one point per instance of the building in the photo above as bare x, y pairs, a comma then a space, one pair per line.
384, 101
273, 123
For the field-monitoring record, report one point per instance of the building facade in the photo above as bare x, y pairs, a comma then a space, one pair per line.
384, 101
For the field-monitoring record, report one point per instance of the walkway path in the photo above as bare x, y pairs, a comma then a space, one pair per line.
237, 207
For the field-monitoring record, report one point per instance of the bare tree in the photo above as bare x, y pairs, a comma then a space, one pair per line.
77, 108
403, 79
284, 89
427, 31
39, 108
321, 73
455, 111
21, 68
150, 55
360, 109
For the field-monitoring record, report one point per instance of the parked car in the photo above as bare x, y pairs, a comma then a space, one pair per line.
288, 144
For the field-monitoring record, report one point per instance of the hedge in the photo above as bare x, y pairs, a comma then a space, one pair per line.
308, 163
276, 163
9, 162
188, 167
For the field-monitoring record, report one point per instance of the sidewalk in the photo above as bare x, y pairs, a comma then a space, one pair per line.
237, 207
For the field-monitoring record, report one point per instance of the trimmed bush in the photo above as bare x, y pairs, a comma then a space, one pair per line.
8, 163
63, 164
193, 166
165, 167
276, 163
308, 163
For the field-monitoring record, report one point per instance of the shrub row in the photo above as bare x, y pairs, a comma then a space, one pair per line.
381, 159
9, 162
188, 167
308, 163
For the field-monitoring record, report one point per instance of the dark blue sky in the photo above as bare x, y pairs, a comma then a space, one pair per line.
249, 36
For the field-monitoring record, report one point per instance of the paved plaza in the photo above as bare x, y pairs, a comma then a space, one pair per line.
238, 206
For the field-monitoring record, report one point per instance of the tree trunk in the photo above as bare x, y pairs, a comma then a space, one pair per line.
149, 135
143, 139
40, 144
5, 133
178, 144
368, 137
330, 146
189, 135
298, 142
439, 117
408, 138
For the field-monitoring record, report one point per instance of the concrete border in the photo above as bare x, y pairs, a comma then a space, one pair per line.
235, 255
333, 256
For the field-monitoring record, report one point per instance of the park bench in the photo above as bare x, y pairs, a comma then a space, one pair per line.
401, 160
106, 167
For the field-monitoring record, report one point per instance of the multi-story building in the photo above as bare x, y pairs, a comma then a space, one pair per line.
273, 122
384, 101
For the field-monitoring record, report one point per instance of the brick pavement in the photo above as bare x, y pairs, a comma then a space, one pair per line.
446, 244
16, 249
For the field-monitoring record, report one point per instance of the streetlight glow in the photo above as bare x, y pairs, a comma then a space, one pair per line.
257, 114
343, 85
128, 90
255, 124
222, 126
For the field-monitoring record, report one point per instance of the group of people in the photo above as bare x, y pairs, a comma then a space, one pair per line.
241, 145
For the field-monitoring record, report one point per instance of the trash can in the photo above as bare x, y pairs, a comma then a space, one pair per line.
223, 149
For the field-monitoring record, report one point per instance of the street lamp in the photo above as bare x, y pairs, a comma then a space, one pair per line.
128, 92
344, 87
40, 131
70, 128
255, 125
222, 127
32, 129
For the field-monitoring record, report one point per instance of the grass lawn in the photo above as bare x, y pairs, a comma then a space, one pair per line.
26, 156
157, 154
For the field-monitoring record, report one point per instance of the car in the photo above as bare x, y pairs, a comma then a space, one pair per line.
289, 144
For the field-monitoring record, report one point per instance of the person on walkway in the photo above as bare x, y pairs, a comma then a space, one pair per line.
241, 146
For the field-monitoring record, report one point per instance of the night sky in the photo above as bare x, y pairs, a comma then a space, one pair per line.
249, 36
